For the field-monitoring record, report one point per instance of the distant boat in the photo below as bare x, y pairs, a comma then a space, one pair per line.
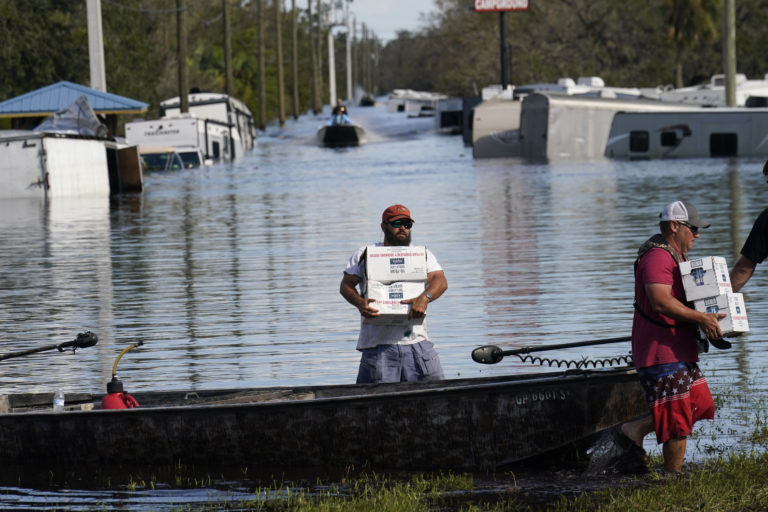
341, 135
367, 101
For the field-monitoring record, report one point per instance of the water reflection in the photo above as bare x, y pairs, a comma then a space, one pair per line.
230, 273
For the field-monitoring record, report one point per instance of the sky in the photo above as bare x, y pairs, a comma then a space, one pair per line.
387, 17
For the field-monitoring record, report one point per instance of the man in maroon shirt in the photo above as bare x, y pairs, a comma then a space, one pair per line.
664, 342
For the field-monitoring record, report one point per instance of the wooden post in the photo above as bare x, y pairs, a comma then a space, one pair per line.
729, 53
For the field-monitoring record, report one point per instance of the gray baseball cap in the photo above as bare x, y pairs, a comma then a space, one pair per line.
683, 211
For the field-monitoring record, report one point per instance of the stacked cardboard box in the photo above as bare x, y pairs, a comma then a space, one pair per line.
394, 273
708, 285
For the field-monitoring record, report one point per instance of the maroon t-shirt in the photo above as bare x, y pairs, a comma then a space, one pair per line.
653, 344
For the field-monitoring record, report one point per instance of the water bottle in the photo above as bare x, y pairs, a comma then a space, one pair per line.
58, 401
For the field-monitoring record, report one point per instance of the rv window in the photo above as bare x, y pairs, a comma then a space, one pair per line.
669, 139
756, 101
638, 141
723, 144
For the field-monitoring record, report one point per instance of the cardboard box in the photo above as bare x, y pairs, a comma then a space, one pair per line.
387, 299
705, 277
732, 304
396, 263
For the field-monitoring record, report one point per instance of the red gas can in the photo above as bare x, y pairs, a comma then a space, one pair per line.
119, 401
115, 398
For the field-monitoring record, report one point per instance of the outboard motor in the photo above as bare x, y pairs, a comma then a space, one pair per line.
116, 398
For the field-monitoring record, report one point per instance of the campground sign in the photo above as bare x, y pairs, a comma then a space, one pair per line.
500, 5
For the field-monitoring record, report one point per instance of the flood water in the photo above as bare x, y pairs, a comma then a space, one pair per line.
229, 274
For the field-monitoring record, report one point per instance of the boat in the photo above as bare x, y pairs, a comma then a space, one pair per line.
219, 125
341, 135
689, 133
469, 424
367, 101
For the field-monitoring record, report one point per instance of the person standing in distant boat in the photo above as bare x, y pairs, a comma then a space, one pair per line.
755, 249
339, 108
664, 340
395, 353
339, 114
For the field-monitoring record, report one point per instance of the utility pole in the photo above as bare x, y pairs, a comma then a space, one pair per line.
313, 59
280, 77
181, 49
350, 92
262, 89
227, 50
96, 46
729, 51
320, 84
295, 58
331, 68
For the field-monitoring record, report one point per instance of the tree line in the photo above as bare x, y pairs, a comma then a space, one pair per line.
629, 43
640, 43
46, 41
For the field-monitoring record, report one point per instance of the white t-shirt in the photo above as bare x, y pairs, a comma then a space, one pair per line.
374, 335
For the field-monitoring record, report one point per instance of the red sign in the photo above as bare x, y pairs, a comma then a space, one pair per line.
500, 5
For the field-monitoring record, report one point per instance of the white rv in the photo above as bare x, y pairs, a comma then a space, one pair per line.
220, 126
496, 121
556, 127
689, 133
221, 108
210, 137
749, 93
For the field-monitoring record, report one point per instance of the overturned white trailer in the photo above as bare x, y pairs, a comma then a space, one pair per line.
559, 127
689, 133
40, 164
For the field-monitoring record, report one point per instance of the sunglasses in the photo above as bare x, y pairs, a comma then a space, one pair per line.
401, 223
694, 229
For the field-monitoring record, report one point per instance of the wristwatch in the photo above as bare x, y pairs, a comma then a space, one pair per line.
428, 295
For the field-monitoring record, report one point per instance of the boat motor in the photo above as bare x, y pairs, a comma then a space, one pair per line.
116, 398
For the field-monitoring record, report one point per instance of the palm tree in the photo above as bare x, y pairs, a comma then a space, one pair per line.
690, 23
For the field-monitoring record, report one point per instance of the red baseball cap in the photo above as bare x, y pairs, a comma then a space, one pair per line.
396, 211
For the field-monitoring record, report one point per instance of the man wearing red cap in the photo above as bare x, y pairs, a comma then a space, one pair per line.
395, 353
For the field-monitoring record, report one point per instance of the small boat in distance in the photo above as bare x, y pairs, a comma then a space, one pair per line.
340, 135
340, 131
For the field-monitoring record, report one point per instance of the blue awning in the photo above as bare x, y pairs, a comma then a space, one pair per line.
52, 98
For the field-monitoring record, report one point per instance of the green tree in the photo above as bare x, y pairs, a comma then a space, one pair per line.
691, 22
